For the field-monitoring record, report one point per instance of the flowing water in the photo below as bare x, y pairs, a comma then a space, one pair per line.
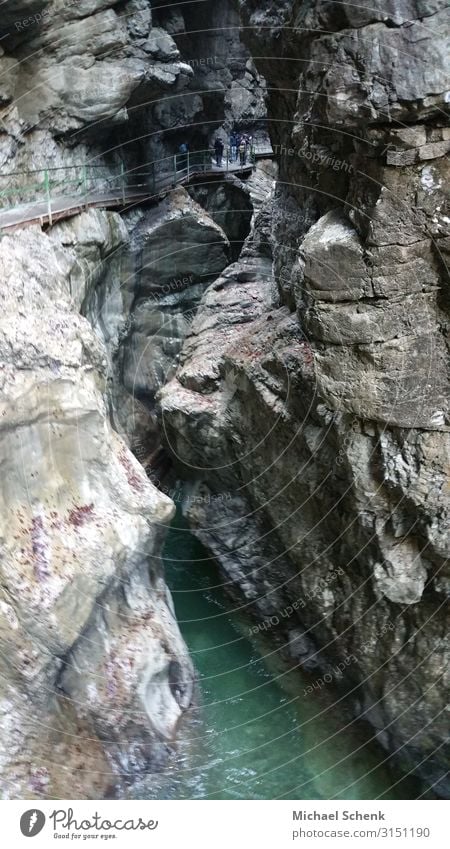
257, 735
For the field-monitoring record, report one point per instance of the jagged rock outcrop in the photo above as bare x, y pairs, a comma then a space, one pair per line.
230, 204
312, 390
119, 61
226, 86
90, 649
145, 298
323, 416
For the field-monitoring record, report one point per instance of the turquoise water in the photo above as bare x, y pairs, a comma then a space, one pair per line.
256, 735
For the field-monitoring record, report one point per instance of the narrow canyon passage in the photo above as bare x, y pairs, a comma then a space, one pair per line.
261, 730
224, 408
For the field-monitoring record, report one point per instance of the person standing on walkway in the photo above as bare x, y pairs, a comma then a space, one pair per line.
233, 147
218, 148
242, 152
251, 150
183, 151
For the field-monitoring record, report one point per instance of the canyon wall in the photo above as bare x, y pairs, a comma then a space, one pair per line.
95, 676
96, 682
312, 392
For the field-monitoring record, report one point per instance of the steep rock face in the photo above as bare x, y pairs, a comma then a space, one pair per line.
89, 644
226, 85
324, 417
119, 61
135, 85
180, 250
144, 299
230, 204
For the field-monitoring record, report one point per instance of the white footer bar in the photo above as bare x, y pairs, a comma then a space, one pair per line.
225, 824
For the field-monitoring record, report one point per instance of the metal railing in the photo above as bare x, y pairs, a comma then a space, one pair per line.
87, 184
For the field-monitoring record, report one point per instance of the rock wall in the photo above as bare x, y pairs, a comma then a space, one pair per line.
94, 312
226, 86
108, 49
313, 389
90, 649
144, 300
148, 76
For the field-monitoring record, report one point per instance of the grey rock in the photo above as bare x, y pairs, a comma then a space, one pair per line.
78, 534
321, 411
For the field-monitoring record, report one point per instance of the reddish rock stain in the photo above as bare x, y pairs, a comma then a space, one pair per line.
132, 477
80, 515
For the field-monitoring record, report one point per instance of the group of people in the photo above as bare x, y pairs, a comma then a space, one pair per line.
240, 145
240, 148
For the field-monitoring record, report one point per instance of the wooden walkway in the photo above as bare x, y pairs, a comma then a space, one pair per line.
122, 196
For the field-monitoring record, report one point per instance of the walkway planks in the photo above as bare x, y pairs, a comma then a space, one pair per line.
65, 206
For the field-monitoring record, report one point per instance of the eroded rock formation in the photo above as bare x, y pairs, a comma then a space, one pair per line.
312, 389
88, 636
317, 400
144, 300
95, 678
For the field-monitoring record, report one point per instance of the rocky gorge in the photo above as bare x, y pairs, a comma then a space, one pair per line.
96, 681
278, 343
313, 389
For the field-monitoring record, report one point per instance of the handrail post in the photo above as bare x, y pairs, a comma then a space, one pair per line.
85, 185
175, 169
122, 180
153, 179
228, 156
188, 163
49, 199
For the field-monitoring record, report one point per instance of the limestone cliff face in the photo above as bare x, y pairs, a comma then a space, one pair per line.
74, 75
90, 649
313, 388
90, 80
228, 86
